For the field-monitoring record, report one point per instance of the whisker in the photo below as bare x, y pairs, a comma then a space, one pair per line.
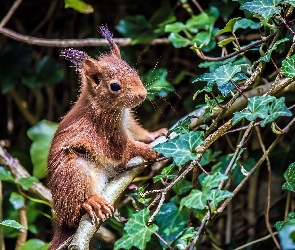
165, 100
155, 93
155, 106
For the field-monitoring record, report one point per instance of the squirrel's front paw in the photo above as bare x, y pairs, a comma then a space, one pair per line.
97, 207
154, 135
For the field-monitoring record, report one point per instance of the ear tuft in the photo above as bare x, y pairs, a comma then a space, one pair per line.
108, 35
77, 57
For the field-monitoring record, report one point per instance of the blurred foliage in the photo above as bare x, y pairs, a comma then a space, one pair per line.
37, 88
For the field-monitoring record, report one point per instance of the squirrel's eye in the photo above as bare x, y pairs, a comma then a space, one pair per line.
95, 79
115, 87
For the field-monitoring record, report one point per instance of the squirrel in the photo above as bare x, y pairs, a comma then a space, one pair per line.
96, 138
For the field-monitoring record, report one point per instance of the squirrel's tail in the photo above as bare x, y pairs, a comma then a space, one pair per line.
61, 234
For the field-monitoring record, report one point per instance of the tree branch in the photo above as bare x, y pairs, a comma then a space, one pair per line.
62, 43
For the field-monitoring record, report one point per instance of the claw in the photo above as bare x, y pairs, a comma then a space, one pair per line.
98, 208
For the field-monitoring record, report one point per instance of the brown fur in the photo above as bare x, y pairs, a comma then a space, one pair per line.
96, 137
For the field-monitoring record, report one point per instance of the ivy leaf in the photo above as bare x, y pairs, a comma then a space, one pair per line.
291, 2
12, 223
196, 199
156, 83
182, 126
168, 172
264, 8
6, 175
174, 27
28, 182
181, 148
16, 200
222, 77
217, 196
280, 224
212, 181
286, 235
288, 66
257, 107
171, 221
202, 38
226, 41
290, 178
79, 6
178, 41
267, 56
182, 187
202, 21
229, 26
245, 23
41, 134
276, 109
137, 231
35, 244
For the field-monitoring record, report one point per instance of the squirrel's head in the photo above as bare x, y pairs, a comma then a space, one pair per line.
108, 81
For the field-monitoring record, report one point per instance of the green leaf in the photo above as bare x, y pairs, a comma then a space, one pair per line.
222, 77
79, 6
290, 178
35, 244
209, 156
41, 134
174, 27
181, 148
264, 8
212, 181
17, 200
196, 199
276, 109
267, 56
136, 27
168, 173
137, 231
201, 21
182, 187
226, 41
288, 66
279, 225
202, 38
6, 175
178, 41
171, 221
217, 196
12, 223
28, 182
286, 235
156, 83
182, 126
245, 23
229, 26
257, 108
48, 72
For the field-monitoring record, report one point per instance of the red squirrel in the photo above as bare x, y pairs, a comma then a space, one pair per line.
96, 138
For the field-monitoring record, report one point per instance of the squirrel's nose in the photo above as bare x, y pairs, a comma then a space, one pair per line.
142, 96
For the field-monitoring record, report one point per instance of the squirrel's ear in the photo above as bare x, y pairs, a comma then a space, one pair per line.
91, 66
108, 35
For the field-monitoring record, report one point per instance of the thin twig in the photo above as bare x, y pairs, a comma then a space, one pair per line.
165, 242
63, 43
267, 205
198, 5
243, 49
255, 241
10, 13
23, 233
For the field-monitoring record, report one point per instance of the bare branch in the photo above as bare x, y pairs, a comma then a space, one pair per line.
66, 43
